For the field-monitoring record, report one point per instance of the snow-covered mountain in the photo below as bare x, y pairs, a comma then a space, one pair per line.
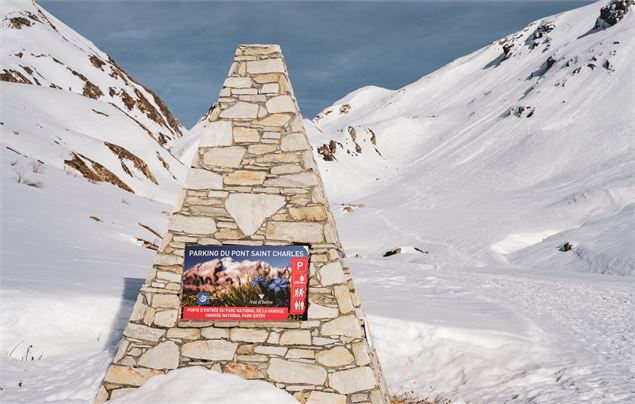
505, 180
87, 182
501, 186
70, 106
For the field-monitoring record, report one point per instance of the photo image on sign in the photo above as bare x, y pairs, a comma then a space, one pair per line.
232, 282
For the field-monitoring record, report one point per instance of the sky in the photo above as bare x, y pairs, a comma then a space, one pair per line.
183, 49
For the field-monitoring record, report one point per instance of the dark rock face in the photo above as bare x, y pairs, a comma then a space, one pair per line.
612, 13
327, 150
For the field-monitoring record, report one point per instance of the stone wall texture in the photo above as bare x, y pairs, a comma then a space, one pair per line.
254, 182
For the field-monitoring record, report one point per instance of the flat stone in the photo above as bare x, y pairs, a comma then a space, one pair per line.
138, 331
138, 310
250, 210
347, 326
121, 392
282, 103
243, 370
167, 260
192, 224
338, 356
294, 142
273, 120
245, 177
245, 135
278, 158
308, 213
305, 179
217, 133
265, 66
166, 318
214, 350
258, 149
241, 110
266, 78
295, 337
284, 371
360, 350
353, 380
244, 91
286, 169
300, 354
319, 311
214, 333
198, 178
184, 333
331, 274
166, 301
230, 157
320, 397
163, 356
270, 88
169, 276
343, 296
129, 375
237, 82
270, 350
259, 49
248, 335
295, 231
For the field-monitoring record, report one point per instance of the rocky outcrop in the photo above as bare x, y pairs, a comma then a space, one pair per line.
612, 13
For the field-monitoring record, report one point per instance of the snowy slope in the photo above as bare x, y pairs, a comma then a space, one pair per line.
490, 166
488, 311
68, 104
87, 184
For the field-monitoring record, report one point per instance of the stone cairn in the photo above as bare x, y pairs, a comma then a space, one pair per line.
254, 182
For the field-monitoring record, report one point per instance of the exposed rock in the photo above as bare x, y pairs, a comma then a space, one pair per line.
334, 357
143, 333
216, 134
612, 13
163, 356
309, 213
198, 178
320, 397
215, 350
229, 157
124, 155
282, 103
295, 231
347, 326
248, 335
265, 66
129, 376
245, 177
294, 142
284, 371
331, 274
243, 370
241, 110
353, 380
192, 224
250, 210
295, 337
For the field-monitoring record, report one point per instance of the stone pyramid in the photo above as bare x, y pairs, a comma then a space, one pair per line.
254, 182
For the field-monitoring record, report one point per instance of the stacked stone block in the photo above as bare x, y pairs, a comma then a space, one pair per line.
254, 182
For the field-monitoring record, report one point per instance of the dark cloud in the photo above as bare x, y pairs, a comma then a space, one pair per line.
183, 49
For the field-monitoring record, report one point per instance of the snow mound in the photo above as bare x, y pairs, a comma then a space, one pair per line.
198, 385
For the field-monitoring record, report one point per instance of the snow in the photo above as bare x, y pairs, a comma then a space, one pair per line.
493, 312
200, 385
